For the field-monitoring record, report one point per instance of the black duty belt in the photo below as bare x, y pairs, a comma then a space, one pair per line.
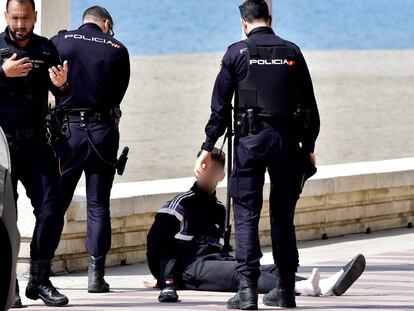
87, 117
274, 122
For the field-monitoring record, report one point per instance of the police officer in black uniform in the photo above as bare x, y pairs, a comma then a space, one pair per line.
99, 77
276, 126
30, 68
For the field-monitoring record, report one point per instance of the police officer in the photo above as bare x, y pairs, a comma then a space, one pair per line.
99, 77
30, 67
276, 126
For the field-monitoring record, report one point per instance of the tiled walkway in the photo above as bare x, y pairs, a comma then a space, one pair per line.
387, 284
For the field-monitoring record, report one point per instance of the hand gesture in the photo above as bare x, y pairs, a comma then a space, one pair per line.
17, 68
59, 75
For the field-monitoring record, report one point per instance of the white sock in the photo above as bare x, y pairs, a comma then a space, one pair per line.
310, 286
327, 284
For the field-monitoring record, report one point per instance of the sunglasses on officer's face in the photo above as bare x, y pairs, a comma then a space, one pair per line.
111, 31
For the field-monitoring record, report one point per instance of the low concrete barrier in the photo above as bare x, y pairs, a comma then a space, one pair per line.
338, 200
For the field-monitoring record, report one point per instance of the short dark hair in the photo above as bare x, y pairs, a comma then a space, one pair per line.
252, 10
21, 1
217, 155
99, 13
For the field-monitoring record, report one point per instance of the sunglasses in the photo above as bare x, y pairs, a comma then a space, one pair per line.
111, 31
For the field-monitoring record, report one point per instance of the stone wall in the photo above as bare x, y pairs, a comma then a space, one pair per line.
339, 200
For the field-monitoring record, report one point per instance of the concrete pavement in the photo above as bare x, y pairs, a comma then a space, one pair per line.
387, 284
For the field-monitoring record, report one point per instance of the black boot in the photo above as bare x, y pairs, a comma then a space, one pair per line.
40, 287
283, 295
168, 293
17, 301
247, 296
96, 272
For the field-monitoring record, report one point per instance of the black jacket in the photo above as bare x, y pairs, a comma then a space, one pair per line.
186, 228
234, 69
99, 68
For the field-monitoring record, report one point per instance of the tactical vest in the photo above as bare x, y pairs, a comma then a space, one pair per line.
15, 89
25, 96
270, 83
5, 51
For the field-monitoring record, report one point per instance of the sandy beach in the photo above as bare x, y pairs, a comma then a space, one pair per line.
365, 100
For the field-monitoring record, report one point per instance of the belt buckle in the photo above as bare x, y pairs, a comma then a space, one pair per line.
83, 119
98, 116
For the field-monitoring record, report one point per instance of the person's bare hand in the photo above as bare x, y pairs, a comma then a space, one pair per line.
151, 283
202, 163
312, 158
17, 68
59, 75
